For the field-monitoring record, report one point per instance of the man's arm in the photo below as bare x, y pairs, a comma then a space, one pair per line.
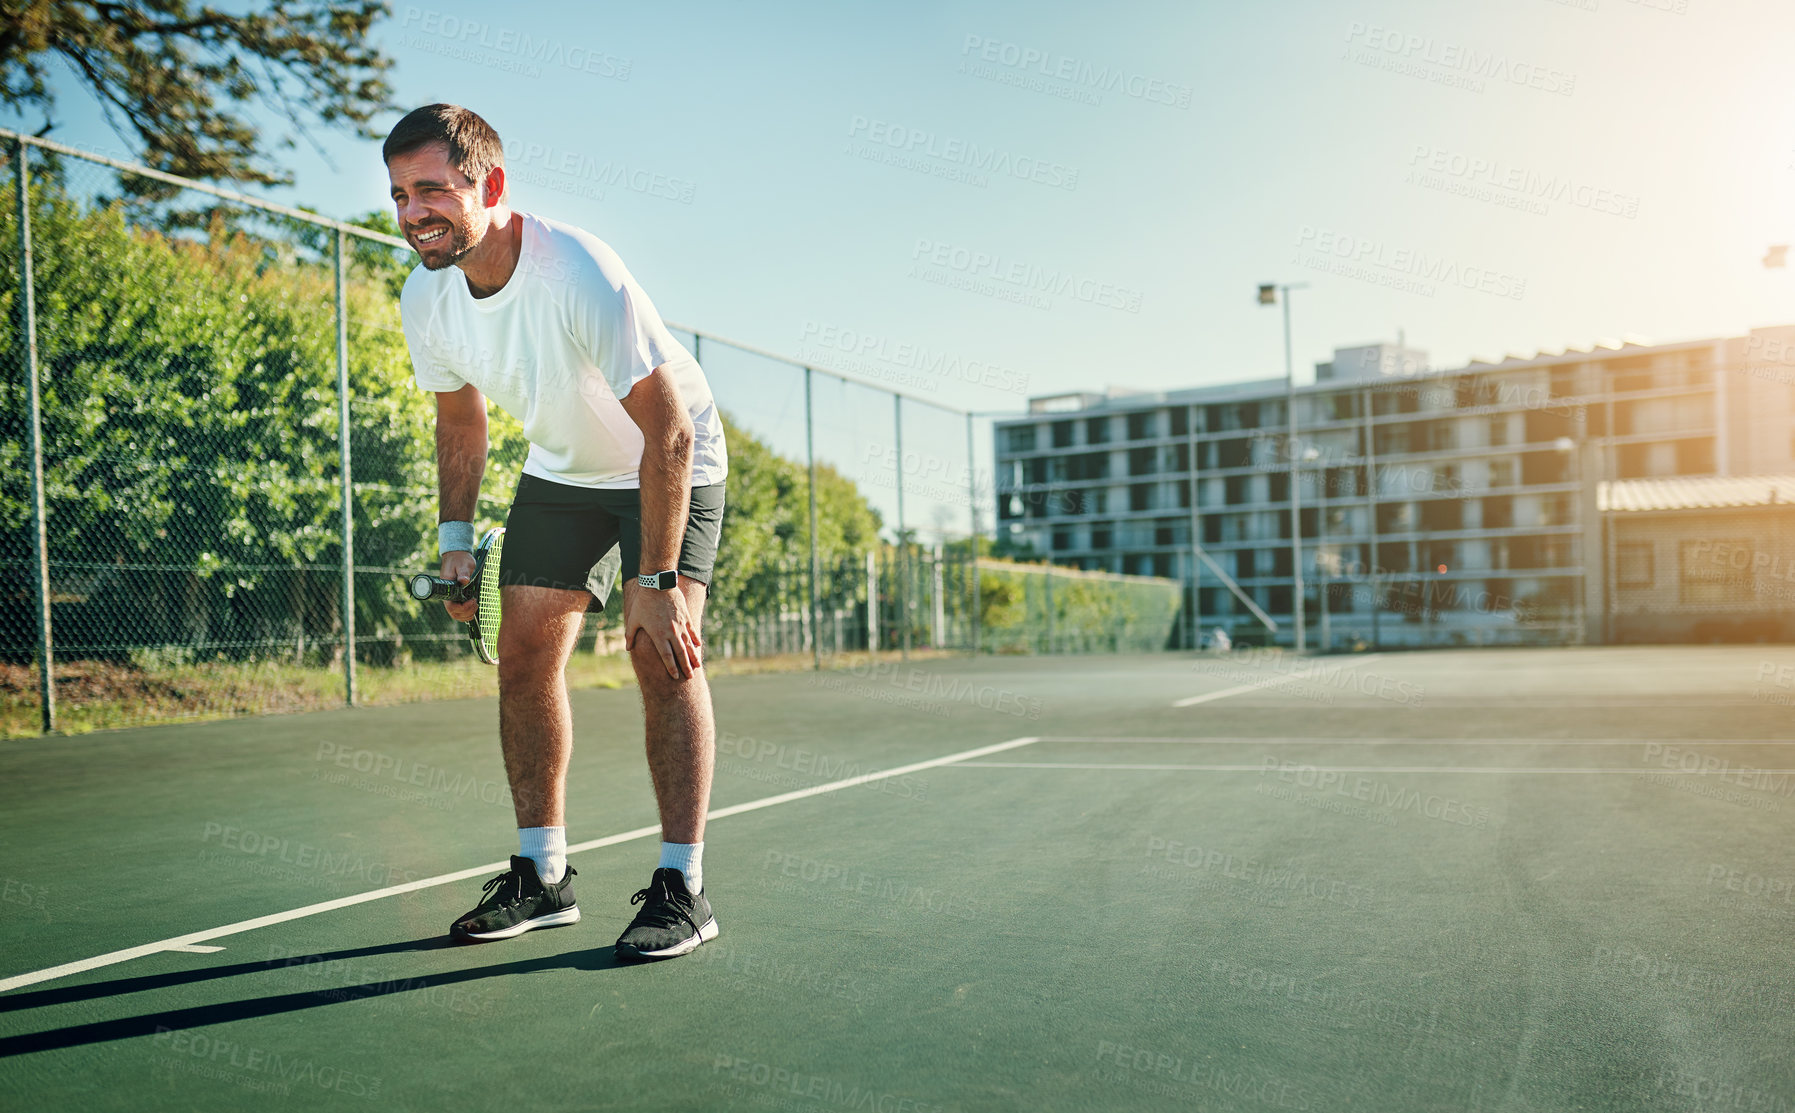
665, 474
460, 464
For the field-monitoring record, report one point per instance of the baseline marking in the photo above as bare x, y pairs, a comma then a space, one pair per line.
1263, 768
1051, 738
185, 942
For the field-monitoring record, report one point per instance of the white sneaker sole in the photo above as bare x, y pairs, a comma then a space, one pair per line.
685, 946
553, 919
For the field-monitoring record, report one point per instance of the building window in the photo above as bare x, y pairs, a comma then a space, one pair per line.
1019, 438
1143, 461
1062, 434
1180, 421
1101, 538
1633, 564
1140, 426
1710, 572
1140, 496
1062, 540
1096, 431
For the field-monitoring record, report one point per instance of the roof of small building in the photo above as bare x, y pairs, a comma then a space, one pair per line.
1708, 492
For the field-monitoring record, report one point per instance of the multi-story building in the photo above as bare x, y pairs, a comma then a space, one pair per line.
1434, 506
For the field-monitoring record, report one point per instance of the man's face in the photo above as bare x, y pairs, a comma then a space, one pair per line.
439, 210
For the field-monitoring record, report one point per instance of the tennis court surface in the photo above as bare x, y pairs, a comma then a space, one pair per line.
1460, 880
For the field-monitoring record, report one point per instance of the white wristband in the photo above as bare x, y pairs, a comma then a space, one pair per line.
453, 537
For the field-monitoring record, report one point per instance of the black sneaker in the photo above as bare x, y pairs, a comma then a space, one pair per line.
672, 921
517, 901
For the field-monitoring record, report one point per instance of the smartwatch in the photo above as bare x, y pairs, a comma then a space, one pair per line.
659, 581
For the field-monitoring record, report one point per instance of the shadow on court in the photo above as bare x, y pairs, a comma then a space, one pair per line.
590, 959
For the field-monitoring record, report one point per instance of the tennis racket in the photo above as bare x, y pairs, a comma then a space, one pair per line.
483, 628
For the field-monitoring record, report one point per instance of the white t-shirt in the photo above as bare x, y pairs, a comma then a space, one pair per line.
566, 337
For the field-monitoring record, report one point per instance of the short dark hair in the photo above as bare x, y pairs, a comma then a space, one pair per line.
474, 148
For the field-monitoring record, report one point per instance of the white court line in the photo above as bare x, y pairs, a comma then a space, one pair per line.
182, 942
1192, 701
1207, 697
1051, 738
1263, 768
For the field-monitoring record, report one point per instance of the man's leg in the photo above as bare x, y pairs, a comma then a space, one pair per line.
538, 631
676, 915
681, 732
536, 636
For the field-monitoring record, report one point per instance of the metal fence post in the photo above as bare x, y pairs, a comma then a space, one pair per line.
348, 489
40, 547
872, 600
816, 652
903, 559
972, 539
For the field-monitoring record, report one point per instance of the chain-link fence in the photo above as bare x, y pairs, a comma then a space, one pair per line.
191, 375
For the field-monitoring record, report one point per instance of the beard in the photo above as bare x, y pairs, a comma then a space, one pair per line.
449, 250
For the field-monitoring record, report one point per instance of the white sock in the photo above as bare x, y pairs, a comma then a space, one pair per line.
688, 859
547, 847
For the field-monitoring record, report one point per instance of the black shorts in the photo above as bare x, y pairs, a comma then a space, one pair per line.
580, 538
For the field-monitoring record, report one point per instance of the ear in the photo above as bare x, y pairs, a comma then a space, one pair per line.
492, 190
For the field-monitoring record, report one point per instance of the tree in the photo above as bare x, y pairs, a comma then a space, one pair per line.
180, 81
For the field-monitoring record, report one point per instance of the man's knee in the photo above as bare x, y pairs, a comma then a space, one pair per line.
527, 656
651, 669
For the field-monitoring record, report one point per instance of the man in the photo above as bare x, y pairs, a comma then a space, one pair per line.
626, 450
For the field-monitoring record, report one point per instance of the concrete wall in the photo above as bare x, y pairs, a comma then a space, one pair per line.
1704, 575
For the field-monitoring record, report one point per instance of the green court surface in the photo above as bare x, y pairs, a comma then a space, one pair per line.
1465, 880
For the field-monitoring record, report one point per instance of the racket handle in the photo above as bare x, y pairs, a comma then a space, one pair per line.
425, 587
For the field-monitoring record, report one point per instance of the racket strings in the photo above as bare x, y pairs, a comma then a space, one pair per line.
489, 598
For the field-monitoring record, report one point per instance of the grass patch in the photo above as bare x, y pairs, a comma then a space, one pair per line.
102, 695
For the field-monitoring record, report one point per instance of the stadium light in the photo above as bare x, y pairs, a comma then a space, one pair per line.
1271, 293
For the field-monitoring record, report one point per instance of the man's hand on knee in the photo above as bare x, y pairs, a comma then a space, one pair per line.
663, 619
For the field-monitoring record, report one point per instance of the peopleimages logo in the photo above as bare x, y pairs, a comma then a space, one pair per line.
1082, 80
1384, 45
1031, 278
930, 364
534, 160
472, 36
995, 161
1400, 267
1518, 186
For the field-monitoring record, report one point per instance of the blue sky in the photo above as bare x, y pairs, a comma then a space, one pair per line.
999, 183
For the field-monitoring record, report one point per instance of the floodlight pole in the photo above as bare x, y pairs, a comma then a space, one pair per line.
1281, 293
